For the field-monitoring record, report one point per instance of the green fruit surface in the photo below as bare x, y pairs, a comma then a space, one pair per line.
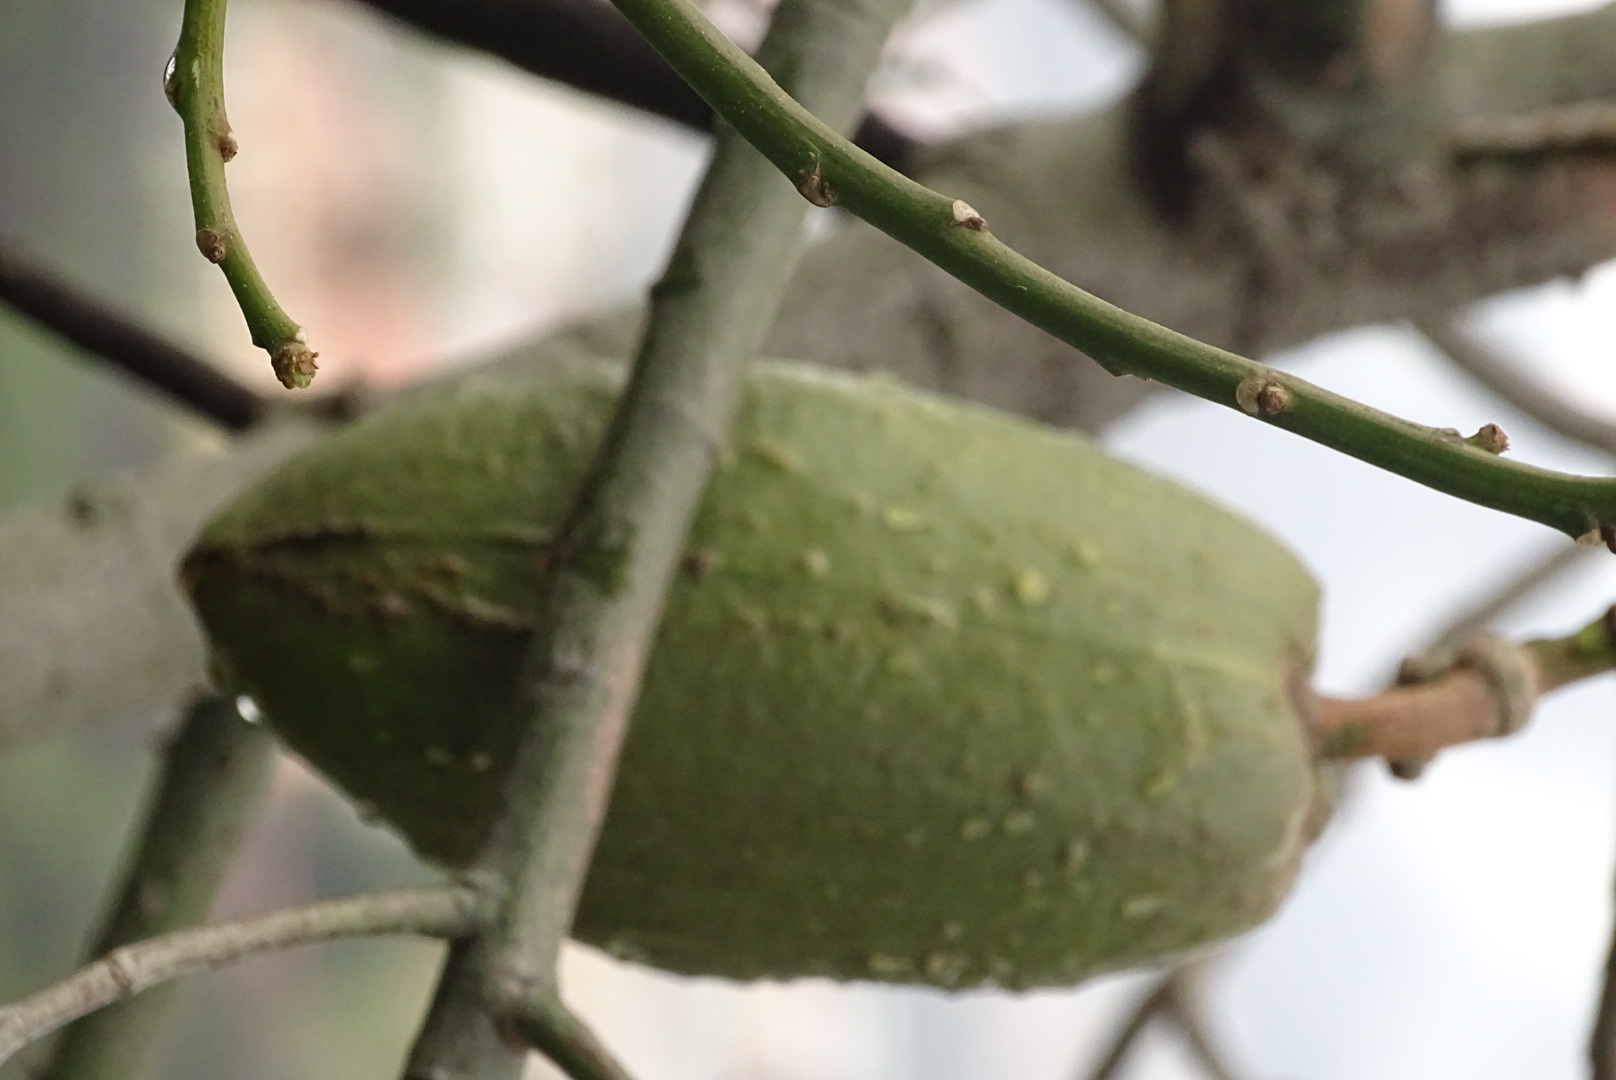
941, 696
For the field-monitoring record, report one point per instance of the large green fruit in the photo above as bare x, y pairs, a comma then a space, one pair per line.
941, 696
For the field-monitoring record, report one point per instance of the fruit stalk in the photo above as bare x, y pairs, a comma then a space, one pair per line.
1484, 693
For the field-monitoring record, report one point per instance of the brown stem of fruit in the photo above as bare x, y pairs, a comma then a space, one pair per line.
1485, 690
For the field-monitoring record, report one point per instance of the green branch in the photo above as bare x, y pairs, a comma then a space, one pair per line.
830, 170
194, 84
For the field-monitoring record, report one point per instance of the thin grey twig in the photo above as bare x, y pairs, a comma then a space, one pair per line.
617, 554
1487, 366
547, 1025
1602, 1041
1503, 597
1176, 1000
1133, 1025
177, 372
213, 775
447, 911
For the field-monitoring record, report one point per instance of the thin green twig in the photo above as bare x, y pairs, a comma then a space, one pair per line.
829, 170
215, 770
194, 84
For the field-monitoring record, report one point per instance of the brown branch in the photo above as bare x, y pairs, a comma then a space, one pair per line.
1581, 127
589, 46
175, 371
445, 912
1486, 691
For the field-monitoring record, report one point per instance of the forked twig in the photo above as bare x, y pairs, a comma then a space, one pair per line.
1174, 999
444, 912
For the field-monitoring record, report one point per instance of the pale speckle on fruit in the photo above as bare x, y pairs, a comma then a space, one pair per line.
1030, 587
437, 757
1075, 857
1103, 673
945, 968
886, 966
816, 562
953, 931
1019, 823
902, 519
975, 829
905, 662
1143, 906
481, 761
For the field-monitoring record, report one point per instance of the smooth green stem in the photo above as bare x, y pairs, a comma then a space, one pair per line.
194, 84
214, 773
829, 169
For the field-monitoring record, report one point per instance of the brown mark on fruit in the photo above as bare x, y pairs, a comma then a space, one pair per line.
212, 245
697, 564
814, 188
227, 145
